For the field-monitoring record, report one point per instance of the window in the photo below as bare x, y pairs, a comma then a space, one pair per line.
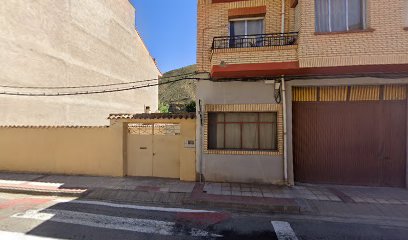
241, 31
340, 15
243, 131
246, 27
406, 13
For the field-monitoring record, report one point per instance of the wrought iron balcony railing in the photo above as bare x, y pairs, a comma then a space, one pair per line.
259, 40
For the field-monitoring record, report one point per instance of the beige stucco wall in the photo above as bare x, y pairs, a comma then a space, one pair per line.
71, 43
100, 151
83, 151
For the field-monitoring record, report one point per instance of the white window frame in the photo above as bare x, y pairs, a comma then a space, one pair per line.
364, 13
258, 123
246, 24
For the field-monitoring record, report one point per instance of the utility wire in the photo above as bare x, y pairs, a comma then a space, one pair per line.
95, 91
101, 85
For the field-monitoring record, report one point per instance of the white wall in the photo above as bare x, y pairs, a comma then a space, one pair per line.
69, 43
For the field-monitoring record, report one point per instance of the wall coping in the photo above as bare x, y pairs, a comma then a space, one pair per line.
153, 116
39, 126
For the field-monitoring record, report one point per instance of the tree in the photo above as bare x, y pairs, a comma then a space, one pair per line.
191, 107
164, 108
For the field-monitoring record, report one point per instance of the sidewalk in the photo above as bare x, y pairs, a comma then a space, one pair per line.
320, 200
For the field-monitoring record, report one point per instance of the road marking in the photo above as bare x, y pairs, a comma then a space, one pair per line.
111, 222
45, 184
137, 207
22, 236
284, 231
11, 182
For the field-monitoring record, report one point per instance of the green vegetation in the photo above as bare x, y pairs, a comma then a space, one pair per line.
191, 107
164, 108
178, 95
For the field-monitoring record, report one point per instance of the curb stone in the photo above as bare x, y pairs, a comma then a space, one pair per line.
259, 208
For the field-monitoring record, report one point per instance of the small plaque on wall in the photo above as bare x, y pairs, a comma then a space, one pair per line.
189, 143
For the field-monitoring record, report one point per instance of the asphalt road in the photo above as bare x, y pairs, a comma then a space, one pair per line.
39, 217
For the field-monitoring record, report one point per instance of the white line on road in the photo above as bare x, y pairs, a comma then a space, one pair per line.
111, 222
137, 207
284, 231
22, 236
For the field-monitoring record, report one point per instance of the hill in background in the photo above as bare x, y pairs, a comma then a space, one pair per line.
178, 94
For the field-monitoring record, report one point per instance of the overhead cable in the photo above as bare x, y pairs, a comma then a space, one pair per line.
56, 94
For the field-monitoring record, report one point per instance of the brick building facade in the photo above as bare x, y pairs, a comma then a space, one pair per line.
311, 63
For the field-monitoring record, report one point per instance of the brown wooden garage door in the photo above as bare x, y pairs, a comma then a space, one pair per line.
350, 138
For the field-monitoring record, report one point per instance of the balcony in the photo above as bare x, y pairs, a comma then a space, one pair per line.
254, 41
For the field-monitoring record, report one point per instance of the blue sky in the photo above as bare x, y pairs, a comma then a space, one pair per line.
168, 28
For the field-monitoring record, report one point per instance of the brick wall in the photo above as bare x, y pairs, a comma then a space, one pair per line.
385, 43
255, 55
213, 21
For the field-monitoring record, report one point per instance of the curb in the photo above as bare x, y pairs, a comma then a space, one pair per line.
191, 202
259, 208
194, 204
44, 192
199, 203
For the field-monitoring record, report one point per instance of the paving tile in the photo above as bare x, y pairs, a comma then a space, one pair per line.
182, 188
270, 195
256, 190
257, 194
334, 198
217, 185
247, 194
266, 190
226, 192
236, 185
236, 194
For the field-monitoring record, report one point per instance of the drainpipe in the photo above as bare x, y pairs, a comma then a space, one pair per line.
285, 151
285, 148
200, 157
283, 16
